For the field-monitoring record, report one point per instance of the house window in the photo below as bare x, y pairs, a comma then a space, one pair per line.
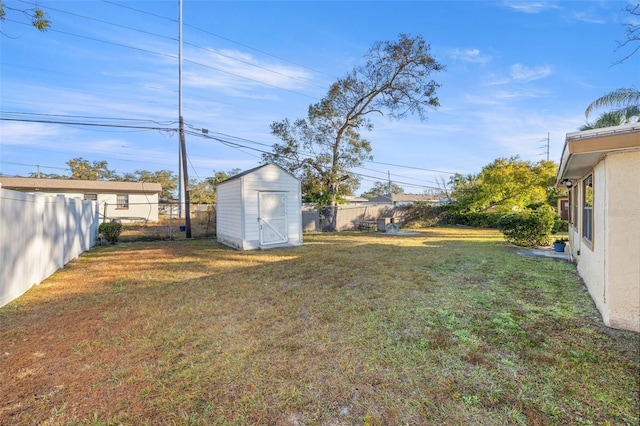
587, 209
93, 197
122, 201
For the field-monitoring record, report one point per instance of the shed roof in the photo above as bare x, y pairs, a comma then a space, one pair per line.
246, 172
583, 150
76, 185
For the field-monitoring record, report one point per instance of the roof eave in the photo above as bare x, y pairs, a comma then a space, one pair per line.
583, 150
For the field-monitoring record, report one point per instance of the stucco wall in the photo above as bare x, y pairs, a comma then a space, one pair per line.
622, 217
591, 257
141, 206
610, 267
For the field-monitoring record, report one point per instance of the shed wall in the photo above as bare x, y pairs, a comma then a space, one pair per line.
229, 226
271, 179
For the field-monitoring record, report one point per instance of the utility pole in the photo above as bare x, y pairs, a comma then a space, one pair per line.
547, 146
184, 175
389, 184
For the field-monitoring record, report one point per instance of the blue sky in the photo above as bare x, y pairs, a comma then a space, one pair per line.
516, 71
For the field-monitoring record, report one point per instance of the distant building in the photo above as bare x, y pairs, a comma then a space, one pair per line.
403, 199
125, 201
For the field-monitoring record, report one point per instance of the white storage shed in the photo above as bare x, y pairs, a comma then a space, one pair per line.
260, 208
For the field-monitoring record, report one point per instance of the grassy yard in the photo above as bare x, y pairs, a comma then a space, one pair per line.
449, 326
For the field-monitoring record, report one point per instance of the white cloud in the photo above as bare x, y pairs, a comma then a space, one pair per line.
588, 18
530, 6
242, 72
470, 55
25, 133
520, 72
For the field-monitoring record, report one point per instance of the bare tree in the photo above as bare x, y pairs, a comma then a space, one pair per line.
632, 32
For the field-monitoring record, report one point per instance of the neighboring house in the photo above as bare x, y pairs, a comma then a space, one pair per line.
562, 206
354, 199
402, 199
259, 208
125, 201
601, 167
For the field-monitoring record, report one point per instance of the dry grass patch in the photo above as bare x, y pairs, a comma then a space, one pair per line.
448, 326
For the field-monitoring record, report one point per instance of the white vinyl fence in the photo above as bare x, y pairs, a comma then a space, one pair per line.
38, 235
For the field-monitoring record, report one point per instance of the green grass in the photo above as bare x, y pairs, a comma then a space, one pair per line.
449, 326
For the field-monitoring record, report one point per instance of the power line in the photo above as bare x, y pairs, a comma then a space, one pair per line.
79, 123
219, 36
189, 44
222, 140
92, 117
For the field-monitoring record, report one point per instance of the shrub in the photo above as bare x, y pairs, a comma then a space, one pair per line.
560, 225
530, 228
421, 214
110, 231
475, 219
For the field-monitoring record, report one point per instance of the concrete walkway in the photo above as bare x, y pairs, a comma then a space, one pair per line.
544, 252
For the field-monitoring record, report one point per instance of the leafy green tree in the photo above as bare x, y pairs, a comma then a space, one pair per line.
505, 185
98, 170
166, 178
204, 191
382, 188
395, 79
36, 15
41, 175
614, 118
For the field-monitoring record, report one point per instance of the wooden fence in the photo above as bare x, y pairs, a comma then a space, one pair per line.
349, 216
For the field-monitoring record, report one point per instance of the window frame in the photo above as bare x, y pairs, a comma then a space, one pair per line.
588, 207
120, 204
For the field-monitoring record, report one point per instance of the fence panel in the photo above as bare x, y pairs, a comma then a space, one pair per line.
38, 235
348, 218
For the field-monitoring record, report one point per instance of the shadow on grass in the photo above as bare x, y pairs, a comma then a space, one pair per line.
448, 326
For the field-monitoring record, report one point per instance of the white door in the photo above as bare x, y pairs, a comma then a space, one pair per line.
273, 218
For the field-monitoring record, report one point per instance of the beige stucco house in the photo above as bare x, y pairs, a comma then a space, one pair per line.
125, 201
601, 168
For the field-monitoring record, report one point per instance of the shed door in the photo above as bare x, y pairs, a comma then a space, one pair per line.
273, 218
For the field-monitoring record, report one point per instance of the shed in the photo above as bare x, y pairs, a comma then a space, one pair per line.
260, 208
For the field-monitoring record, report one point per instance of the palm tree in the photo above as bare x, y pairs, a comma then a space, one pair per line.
614, 118
626, 100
